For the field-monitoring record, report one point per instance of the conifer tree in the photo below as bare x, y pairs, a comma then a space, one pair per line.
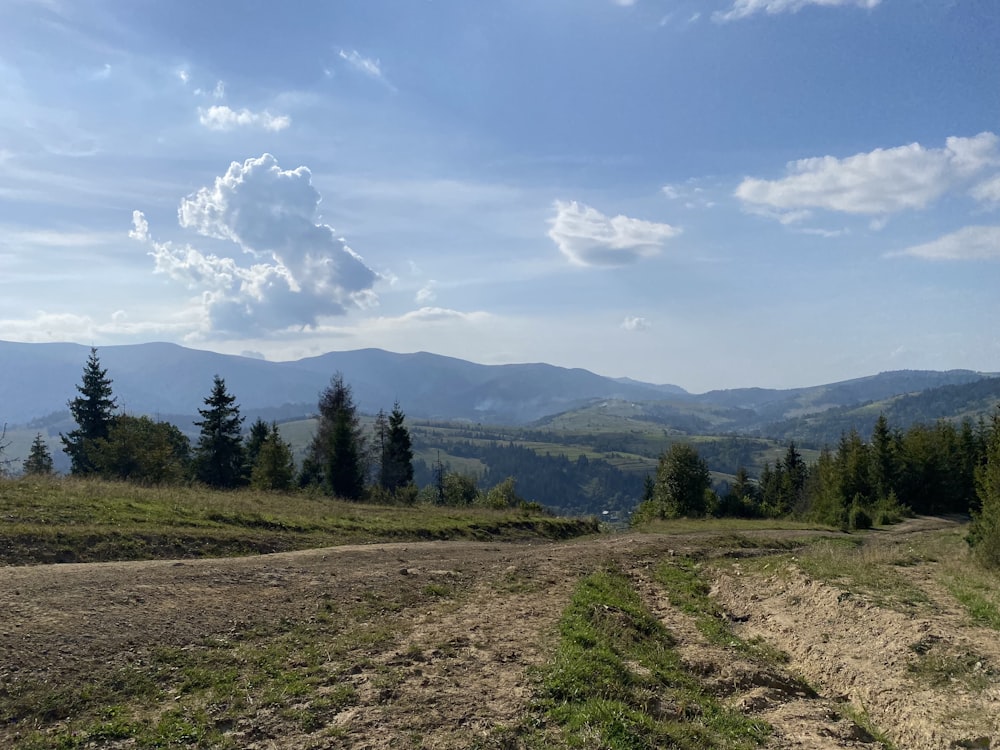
259, 432
397, 455
219, 455
984, 535
335, 458
274, 466
94, 413
39, 461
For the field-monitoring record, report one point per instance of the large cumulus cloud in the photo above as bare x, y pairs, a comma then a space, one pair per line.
298, 271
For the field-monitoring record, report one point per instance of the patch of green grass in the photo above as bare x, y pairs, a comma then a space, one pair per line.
941, 670
71, 520
688, 591
866, 569
861, 718
616, 681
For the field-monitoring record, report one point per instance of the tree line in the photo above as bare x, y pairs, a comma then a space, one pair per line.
341, 459
926, 469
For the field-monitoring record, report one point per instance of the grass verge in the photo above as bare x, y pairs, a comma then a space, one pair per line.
688, 591
70, 520
616, 681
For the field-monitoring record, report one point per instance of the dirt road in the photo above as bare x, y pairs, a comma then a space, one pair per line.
459, 626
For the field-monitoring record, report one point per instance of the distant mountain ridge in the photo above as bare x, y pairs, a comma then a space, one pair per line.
166, 380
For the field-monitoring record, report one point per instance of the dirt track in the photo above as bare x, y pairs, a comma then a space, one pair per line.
460, 665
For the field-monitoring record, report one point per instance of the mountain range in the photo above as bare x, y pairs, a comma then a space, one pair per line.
170, 381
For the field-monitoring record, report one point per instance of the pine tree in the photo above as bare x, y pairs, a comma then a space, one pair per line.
274, 467
984, 535
336, 453
219, 455
39, 461
259, 432
397, 455
93, 410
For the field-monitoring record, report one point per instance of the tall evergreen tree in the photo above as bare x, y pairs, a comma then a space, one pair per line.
259, 432
274, 466
39, 461
219, 455
94, 413
984, 535
397, 455
336, 454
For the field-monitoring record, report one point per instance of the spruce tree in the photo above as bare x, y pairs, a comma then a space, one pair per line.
259, 432
274, 466
39, 461
219, 456
93, 410
335, 458
397, 455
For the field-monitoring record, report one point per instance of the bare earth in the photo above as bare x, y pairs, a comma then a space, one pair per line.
460, 665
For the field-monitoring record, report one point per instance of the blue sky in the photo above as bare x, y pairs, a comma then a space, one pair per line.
718, 193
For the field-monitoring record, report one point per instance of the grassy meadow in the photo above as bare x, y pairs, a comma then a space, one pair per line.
74, 520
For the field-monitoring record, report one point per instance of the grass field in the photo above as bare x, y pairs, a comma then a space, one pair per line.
72, 520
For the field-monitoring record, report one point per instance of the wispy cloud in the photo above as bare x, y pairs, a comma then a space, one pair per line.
744, 8
632, 323
589, 238
878, 182
371, 67
221, 117
426, 293
968, 243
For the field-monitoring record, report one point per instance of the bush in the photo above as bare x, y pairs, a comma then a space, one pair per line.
859, 517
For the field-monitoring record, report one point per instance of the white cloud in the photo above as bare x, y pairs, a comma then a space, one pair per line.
744, 8
589, 238
988, 191
635, 323
438, 314
875, 183
426, 293
221, 117
371, 67
624, 3
304, 271
184, 76
968, 243
219, 92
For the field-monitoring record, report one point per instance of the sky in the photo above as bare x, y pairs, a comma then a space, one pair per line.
709, 193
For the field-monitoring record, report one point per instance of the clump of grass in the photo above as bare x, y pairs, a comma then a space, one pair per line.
941, 670
689, 592
867, 569
616, 681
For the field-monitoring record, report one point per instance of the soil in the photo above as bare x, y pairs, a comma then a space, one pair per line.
462, 665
